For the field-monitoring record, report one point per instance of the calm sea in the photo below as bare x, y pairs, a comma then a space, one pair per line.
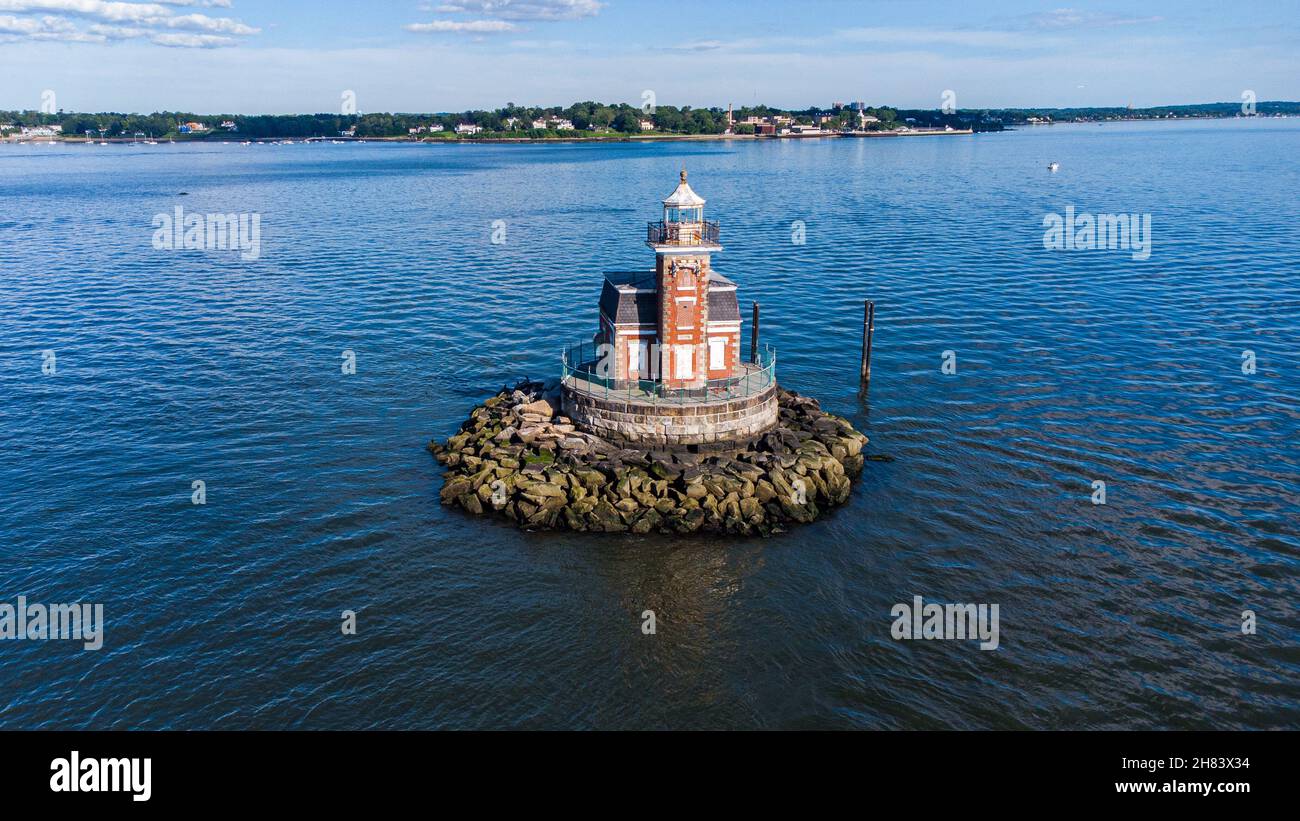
1072, 367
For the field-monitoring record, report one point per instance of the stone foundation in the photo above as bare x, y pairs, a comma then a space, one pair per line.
517, 458
715, 424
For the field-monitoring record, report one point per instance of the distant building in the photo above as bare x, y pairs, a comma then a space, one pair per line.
539, 123
229, 125
351, 132
467, 128
562, 125
647, 125
192, 128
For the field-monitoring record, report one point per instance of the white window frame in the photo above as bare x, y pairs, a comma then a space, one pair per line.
684, 362
717, 353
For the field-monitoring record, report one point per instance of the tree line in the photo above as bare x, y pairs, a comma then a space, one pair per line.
587, 118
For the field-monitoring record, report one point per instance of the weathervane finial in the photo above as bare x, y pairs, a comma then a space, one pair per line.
683, 172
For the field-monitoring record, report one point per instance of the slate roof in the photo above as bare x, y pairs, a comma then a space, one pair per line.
622, 300
723, 306
624, 305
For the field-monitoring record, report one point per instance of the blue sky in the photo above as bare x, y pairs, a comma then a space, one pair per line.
258, 56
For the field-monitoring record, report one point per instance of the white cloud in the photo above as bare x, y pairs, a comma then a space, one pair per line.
1075, 18
462, 27
190, 40
496, 14
524, 9
115, 20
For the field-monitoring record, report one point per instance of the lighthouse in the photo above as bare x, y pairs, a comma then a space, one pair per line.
664, 368
678, 326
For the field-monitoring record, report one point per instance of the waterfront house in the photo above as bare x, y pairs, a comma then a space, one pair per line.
562, 125
678, 324
467, 128
647, 125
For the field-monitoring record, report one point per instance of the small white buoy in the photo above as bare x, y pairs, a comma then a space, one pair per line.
1052, 166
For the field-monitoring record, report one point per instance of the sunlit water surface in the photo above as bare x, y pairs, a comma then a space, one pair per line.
1072, 367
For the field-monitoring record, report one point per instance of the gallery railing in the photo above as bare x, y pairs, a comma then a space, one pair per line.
588, 367
682, 233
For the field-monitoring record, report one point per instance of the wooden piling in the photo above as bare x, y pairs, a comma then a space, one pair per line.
753, 337
868, 330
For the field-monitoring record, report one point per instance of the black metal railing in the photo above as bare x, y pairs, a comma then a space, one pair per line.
588, 368
682, 233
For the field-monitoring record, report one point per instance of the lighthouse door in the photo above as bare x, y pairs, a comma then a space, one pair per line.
639, 356
684, 362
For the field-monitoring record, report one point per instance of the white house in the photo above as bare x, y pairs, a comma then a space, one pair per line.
467, 128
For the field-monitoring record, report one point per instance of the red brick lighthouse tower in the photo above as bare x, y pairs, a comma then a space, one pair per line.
677, 328
665, 366
695, 346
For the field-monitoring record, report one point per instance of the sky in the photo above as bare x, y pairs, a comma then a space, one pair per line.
303, 56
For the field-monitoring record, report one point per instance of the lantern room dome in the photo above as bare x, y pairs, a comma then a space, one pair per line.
683, 196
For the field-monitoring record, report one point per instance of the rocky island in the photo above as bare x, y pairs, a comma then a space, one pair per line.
518, 457
657, 423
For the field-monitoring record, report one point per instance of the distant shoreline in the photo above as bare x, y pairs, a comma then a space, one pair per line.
630, 138
234, 138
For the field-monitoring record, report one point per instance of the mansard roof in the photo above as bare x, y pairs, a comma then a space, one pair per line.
631, 298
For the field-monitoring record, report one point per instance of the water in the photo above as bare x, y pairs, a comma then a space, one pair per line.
1072, 367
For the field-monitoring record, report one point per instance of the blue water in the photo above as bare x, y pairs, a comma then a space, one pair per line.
1072, 366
